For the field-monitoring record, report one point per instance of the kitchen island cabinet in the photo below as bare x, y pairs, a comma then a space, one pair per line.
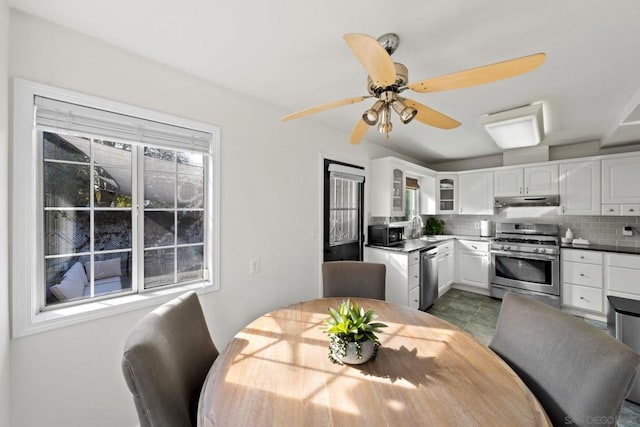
402, 277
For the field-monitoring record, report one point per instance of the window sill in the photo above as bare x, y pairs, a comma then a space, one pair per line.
67, 316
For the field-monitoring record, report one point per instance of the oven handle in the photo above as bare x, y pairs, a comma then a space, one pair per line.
542, 257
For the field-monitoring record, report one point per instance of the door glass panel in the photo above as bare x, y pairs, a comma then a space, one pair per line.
526, 270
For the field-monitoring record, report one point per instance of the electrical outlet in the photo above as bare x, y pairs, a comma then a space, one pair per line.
476, 225
254, 266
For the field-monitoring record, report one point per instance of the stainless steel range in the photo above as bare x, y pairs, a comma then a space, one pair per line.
525, 258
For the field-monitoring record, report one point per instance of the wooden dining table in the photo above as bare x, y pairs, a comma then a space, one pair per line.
276, 372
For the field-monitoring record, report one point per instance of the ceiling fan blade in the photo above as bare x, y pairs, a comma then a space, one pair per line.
431, 117
323, 107
480, 75
373, 57
358, 132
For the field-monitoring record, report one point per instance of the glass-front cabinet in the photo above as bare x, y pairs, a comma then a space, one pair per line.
397, 192
446, 192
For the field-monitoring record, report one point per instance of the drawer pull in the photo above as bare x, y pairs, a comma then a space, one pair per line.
583, 298
581, 274
581, 257
630, 210
474, 246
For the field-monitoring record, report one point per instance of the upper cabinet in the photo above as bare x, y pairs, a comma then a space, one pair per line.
476, 193
447, 193
387, 187
580, 188
531, 181
427, 195
620, 180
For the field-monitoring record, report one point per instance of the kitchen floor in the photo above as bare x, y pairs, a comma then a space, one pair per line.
477, 315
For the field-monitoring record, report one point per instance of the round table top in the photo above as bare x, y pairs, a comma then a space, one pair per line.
276, 372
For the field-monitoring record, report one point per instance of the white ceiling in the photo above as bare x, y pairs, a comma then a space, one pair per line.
290, 53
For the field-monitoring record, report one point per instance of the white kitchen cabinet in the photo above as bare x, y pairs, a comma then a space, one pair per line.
402, 280
447, 193
582, 280
580, 188
387, 187
531, 181
446, 266
476, 193
622, 275
427, 195
472, 261
620, 178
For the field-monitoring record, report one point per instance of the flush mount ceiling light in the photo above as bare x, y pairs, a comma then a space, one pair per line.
519, 127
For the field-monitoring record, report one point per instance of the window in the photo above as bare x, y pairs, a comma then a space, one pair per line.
122, 203
345, 195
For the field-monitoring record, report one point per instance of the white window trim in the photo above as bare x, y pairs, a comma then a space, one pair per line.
25, 240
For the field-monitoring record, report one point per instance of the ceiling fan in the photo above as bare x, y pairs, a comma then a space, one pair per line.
387, 80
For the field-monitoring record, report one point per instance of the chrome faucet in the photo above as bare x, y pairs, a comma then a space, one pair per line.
417, 226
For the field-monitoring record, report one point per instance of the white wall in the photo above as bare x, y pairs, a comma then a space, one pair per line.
5, 367
270, 203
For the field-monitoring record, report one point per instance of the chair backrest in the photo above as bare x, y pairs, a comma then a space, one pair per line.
353, 279
579, 373
166, 359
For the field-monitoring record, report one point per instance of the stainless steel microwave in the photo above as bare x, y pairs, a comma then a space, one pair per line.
385, 235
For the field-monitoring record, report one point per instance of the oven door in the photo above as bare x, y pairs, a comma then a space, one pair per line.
532, 272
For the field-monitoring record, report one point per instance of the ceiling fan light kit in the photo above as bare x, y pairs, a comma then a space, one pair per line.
516, 128
387, 79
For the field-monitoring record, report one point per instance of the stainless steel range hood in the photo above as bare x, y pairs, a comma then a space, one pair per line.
503, 202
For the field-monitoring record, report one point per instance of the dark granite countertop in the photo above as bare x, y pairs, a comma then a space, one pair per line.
426, 242
603, 248
625, 305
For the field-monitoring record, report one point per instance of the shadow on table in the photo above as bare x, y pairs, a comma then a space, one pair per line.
397, 364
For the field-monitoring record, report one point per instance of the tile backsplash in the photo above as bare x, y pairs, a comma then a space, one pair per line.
602, 230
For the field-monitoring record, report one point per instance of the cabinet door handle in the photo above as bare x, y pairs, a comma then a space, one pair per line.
583, 298
474, 246
527, 190
520, 190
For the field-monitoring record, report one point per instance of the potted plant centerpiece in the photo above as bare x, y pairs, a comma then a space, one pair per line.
352, 334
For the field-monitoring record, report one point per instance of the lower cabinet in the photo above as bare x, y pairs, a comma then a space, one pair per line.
403, 275
473, 262
446, 266
582, 280
622, 275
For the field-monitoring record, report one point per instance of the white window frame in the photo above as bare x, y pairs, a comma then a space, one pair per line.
27, 267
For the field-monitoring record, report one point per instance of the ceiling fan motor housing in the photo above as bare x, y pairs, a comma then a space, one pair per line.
402, 78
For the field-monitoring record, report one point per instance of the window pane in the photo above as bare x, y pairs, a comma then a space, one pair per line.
107, 153
190, 191
190, 227
190, 263
159, 160
112, 273
159, 190
159, 267
66, 279
66, 232
112, 230
158, 228
65, 147
190, 163
66, 185
112, 187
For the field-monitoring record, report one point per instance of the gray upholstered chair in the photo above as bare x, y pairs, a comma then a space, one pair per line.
579, 374
166, 359
353, 279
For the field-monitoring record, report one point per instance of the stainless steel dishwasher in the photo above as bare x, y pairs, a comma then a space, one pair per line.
428, 277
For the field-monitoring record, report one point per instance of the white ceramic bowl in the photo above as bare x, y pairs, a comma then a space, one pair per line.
566, 240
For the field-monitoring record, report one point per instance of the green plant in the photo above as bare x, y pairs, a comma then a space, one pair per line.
351, 323
434, 226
